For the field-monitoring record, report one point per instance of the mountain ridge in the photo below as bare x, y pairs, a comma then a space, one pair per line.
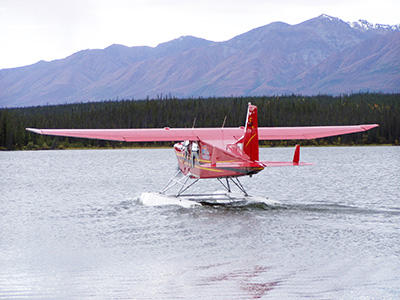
320, 55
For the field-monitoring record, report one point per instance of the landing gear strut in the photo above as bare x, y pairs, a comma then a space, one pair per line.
183, 182
226, 197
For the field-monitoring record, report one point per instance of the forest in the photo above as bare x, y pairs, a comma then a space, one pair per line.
273, 111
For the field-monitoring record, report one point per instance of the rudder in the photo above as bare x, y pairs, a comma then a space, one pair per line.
250, 137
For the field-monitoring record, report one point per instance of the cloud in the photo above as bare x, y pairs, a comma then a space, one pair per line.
49, 29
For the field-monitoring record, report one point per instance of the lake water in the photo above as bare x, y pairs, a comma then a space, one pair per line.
71, 227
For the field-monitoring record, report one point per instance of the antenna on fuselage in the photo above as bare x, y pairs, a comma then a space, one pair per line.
194, 122
223, 124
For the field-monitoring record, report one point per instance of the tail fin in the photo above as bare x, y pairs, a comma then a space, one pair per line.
296, 156
249, 140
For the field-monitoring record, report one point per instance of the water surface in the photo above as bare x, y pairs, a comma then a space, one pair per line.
71, 228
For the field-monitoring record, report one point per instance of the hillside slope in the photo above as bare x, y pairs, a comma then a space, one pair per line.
321, 55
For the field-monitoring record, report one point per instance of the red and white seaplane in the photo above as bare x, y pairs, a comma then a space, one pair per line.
222, 153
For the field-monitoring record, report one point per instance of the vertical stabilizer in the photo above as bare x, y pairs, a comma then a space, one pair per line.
250, 137
296, 156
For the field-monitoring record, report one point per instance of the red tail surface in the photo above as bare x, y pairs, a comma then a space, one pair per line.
250, 137
296, 156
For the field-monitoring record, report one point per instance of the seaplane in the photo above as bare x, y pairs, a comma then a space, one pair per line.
225, 154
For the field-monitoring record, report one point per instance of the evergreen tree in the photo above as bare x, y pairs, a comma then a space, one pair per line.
288, 110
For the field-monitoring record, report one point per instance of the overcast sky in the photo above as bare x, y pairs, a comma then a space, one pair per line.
33, 30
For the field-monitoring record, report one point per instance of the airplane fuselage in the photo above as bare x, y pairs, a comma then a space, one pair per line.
202, 160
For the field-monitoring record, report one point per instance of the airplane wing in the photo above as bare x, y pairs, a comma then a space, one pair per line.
308, 133
205, 134
148, 134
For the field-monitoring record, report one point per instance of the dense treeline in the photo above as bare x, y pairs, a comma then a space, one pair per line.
383, 109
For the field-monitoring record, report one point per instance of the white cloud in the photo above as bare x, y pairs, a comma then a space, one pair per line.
48, 29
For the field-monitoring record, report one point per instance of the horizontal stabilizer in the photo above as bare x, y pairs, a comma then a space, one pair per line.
295, 162
284, 163
234, 165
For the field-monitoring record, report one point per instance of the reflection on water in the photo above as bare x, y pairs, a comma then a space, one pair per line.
71, 228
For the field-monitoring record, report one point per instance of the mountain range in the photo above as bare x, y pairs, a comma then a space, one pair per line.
323, 55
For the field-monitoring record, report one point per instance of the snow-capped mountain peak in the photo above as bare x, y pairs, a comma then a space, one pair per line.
330, 18
364, 25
